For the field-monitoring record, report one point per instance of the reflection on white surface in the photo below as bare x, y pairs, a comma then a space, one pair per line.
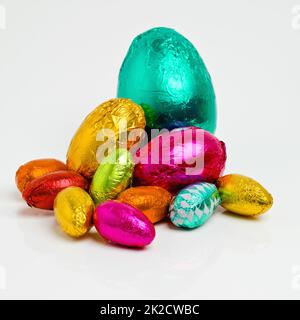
176, 265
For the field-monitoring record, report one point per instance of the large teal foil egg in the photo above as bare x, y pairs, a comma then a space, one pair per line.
164, 73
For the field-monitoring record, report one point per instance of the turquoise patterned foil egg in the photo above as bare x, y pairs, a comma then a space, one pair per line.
194, 205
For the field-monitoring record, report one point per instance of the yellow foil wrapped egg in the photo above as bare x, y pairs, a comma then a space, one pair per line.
243, 195
116, 116
152, 201
74, 209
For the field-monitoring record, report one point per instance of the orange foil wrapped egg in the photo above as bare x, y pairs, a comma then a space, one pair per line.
35, 169
41, 192
151, 200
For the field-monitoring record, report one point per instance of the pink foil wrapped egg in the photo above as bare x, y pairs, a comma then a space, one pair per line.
183, 156
123, 224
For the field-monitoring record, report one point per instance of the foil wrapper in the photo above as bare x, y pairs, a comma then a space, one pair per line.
164, 73
74, 209
194, 205
243, 195
41, 192
183, 157
35, 169
123, 224
113, 176
152, 201
110, 115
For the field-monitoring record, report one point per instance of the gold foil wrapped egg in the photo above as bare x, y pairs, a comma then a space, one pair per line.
243, 195
152, 201
74, 209
115, 116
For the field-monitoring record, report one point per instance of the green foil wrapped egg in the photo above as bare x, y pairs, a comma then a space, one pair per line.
112, 176
164, 73
194, 205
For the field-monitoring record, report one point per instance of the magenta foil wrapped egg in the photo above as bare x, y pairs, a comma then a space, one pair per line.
123, 224
178, 158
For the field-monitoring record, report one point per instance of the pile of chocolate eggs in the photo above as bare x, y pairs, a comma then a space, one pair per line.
177, 175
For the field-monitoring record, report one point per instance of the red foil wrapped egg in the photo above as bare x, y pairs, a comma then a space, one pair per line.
41, 192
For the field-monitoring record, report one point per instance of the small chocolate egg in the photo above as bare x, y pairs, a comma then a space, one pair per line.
123, 224
41, 192
112, 176
74, 209
164, 73
243, 195
36, 168
152, 201
178, 158
114, 115
194, 205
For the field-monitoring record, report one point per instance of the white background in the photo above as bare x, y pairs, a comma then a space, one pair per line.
60, 59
